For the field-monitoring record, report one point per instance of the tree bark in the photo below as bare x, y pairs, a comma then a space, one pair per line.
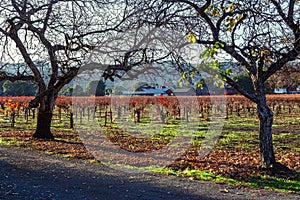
44, 118
43, 125
265, 133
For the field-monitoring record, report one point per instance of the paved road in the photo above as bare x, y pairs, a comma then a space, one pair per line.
26, 174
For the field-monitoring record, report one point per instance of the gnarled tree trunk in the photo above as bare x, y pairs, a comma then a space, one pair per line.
43, 131
44, 117
265, 132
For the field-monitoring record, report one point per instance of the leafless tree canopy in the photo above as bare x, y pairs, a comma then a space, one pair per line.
51, 40
64, 33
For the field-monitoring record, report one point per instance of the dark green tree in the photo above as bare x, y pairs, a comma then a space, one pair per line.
67, 90
19, 88
96, 88
1, 89
246, 82
78, 91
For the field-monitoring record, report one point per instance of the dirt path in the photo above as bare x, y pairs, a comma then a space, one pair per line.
26, 174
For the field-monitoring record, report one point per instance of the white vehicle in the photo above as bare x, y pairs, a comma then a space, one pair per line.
280, 91
298, 88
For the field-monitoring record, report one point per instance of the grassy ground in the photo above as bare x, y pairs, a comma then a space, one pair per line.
234, 158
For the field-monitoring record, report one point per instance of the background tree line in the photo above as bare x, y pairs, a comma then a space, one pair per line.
28, 88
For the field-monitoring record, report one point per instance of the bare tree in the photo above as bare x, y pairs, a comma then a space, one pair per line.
262, 36
51, 40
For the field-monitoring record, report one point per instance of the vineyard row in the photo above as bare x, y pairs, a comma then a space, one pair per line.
183, 107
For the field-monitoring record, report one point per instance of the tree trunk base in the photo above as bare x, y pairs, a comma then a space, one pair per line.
280, 171
43, 126
47, 136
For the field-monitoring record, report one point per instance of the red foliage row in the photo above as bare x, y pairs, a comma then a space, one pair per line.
141, 101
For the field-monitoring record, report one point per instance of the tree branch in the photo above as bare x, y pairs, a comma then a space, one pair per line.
5, 76
231, 51
28, 61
